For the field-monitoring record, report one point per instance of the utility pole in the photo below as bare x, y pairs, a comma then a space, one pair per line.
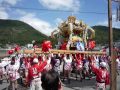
111, 51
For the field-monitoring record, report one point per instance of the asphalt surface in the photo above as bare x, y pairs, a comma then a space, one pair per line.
74, 85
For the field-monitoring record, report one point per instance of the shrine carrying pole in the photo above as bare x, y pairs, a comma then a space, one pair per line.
55, 51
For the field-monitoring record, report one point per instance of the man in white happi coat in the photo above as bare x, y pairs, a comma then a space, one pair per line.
12, 70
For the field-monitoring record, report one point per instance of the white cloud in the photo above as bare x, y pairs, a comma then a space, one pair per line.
38, 24
115, 24
73, 5
4, 10
20, 12
3, 13
58, 21
104, 23
10, 2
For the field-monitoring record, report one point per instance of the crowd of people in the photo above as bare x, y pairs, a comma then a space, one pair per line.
48, 71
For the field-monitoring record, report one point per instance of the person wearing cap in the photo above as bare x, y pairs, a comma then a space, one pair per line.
33, 77
102, 76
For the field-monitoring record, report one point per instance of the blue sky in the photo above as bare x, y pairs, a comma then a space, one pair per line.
47, 20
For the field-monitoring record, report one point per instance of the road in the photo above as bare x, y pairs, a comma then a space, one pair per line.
86, 85
74, 85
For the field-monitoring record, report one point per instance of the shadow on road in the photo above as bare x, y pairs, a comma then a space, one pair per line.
76, 84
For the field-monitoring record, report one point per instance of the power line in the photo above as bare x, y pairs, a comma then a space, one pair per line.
42, 9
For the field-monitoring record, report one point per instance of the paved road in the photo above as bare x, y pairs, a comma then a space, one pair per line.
75, 85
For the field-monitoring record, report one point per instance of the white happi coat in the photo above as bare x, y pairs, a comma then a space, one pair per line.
12, 71
118, 63
5, 61
68, 63
48, 66
2, 69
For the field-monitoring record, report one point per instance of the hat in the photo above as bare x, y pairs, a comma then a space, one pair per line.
35, 60
103, 64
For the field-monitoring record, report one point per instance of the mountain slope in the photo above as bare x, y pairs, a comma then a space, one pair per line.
102, 34
13, 31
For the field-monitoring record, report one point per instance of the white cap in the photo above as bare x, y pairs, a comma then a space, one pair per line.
103, 64
35, 60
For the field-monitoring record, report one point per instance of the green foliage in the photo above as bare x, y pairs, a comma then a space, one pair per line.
102, 34
13, 31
